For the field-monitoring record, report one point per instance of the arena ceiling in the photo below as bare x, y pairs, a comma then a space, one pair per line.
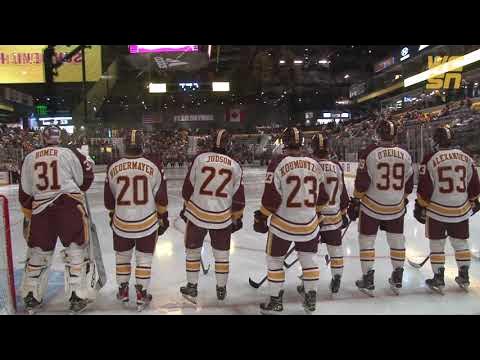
258, 73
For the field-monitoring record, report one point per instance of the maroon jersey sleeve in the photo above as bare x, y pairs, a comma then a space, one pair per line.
362, 179
425, 184
409, 186
344, 198
25, 199
238, 202
161, 197
322, 198
87, 168
474, 185
187, 189
271, 198
108, 198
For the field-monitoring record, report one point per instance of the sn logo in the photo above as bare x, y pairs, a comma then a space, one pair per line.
443, 81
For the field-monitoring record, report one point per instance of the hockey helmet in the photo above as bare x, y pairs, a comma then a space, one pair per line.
443, 136
134, 141
319, 144
51, 135
386, 130
292, 138
221, 140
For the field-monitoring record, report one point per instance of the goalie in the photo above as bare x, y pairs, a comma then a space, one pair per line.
54, 206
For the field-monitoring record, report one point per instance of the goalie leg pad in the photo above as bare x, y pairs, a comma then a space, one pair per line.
336, 259
367, 252
76, 271
437, 254
193, 264
35, 278
222, 266
123, 261
276, 274
310, 270
462, 251
397, 249
143, 268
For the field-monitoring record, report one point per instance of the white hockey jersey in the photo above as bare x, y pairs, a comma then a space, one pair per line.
213, 191
384, 179
448, 182
294, 193
337, 193
50, 172
135, 190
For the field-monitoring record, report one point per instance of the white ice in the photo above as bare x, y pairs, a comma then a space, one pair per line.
248, 260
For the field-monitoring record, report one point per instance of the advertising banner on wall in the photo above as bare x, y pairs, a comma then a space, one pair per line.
23, 64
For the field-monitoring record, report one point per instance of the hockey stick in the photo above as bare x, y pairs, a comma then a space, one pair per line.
205, 271
327, 258
95, 250
179, 225
256, 285
418, 265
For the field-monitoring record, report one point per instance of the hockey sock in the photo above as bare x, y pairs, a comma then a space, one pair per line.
123, 266
462, 252
193, 264
143, 268
367, 252
276, 275
222, 266
437, 254
397, 249
336, 259
311, 273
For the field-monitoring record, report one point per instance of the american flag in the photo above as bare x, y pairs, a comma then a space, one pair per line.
152, 119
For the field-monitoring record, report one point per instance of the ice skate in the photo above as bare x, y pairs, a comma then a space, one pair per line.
190, 292
310, 301
32, 306
366, 284
463, 280
395, 280
437, 284
221, 292
143, 298
122, 294
335, 284
274, 306
77, 305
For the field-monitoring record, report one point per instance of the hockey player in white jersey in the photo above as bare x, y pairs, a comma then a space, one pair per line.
135, 194
293, 197
383, 182
335, 212
447, 195
52, 181
214, 201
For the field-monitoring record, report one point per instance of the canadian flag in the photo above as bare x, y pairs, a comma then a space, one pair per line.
235, 115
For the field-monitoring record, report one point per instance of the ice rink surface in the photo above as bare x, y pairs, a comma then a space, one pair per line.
248, 260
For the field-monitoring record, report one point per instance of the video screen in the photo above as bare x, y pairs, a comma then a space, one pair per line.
142, 49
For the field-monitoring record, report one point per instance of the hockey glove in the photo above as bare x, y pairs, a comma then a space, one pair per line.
420, 213
475, 206
260, 222
236, 225
163, 223
345, 221
354, 209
